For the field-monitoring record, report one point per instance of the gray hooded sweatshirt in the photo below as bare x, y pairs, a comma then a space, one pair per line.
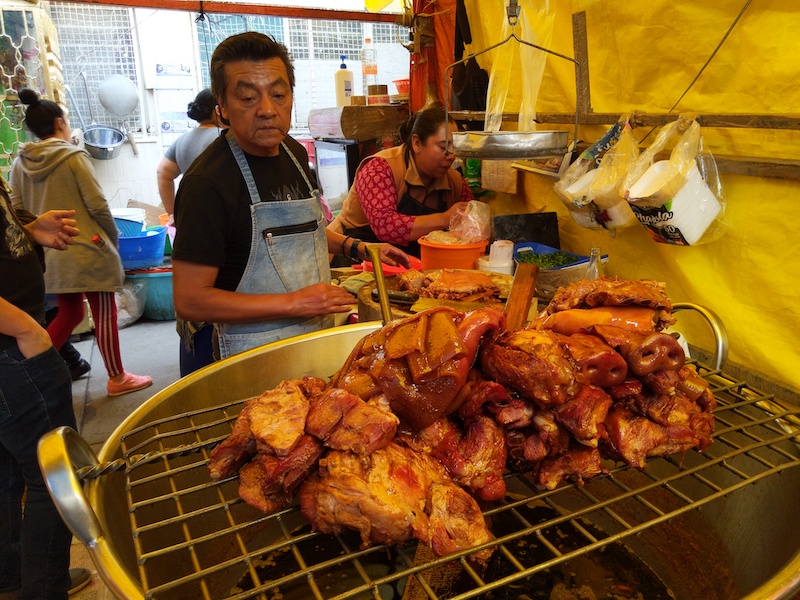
54, 174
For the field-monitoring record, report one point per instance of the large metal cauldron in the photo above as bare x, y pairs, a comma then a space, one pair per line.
719, 525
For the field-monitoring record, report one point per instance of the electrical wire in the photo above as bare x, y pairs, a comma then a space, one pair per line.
710, 58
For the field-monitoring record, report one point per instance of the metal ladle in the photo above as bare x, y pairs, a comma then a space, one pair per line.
120, 97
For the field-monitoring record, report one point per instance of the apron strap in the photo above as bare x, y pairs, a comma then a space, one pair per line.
247, 173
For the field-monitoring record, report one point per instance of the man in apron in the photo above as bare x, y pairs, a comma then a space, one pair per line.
251, 249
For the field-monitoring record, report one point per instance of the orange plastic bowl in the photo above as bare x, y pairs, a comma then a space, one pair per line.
450, 256
402, 85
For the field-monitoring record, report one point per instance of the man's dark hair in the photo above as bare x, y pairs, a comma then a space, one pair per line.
246, 46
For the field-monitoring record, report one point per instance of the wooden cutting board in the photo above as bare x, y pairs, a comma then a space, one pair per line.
522, 292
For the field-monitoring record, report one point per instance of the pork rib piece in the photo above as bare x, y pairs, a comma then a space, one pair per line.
235, 450
390, 497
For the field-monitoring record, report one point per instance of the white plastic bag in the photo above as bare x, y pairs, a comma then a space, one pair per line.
679, 201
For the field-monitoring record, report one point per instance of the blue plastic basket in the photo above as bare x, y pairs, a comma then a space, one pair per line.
143, 251
128, 228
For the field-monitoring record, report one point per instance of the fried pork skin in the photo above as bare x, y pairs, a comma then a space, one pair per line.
464, 286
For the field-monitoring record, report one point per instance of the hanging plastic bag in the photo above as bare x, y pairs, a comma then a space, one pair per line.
574, 187
680, 200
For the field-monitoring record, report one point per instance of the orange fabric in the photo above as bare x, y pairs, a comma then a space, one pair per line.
430, 60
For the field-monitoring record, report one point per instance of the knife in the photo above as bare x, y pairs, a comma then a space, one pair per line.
396, 296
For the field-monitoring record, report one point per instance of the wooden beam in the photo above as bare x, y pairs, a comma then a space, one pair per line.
251, 9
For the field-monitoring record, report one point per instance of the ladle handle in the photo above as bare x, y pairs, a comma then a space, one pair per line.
374, 251
58, 451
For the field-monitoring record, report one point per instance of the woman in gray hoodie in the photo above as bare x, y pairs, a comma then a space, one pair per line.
53, 172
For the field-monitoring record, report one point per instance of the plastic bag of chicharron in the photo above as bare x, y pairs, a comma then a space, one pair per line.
679, 201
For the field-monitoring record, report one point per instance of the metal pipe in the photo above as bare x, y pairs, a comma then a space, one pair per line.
77, 108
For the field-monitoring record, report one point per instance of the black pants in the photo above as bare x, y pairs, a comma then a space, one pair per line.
68, 352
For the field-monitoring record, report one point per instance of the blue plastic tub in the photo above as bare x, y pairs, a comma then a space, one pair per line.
143, 251
158, 304
128, 228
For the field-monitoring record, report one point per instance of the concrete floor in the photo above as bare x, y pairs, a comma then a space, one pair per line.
148, 348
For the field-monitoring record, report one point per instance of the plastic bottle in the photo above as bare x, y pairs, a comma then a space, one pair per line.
369, 65
595, 269
344, 84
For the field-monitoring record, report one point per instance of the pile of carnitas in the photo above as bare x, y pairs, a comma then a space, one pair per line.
415, 431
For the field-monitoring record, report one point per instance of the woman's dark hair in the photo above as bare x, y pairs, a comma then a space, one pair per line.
202, 107
424, 124
41, 115
245, 46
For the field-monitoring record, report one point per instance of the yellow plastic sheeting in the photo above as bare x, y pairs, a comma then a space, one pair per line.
643, 56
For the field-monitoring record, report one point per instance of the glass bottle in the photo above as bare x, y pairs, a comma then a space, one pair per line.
595, 268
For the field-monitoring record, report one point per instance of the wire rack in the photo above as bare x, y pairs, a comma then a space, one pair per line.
194, 538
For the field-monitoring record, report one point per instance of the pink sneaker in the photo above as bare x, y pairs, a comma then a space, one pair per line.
128, 383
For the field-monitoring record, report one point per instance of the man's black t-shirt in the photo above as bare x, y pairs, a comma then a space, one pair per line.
21, 280
212, 207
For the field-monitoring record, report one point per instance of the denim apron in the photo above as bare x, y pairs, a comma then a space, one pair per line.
288, 251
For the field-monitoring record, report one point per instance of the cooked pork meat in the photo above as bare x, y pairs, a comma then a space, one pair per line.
456, 523
236, 449
598, 363
583, 414
474, 457
610, 291
464, 286
388, 498
581, 320
343, 421
632, 438
278, 418
268, 482
413, 280
645, 354
533, 363
421, 363
576, 463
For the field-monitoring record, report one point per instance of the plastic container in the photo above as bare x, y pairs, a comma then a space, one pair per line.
344, 84
549, 280
158, 304
128, 228
143, 251
403, 85
450, 256
369, 65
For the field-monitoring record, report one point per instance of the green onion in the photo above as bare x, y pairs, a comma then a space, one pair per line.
547, 261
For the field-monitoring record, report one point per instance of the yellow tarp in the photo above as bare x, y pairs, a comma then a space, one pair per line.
643, 56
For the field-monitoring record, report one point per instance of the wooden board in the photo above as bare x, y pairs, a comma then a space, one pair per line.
519, 301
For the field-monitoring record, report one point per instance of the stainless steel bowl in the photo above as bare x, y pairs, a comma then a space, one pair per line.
103, 142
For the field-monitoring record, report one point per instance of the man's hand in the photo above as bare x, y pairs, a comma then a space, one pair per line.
54, 229
320, 299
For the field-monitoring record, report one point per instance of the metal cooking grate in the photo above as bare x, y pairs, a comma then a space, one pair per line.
195, 538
